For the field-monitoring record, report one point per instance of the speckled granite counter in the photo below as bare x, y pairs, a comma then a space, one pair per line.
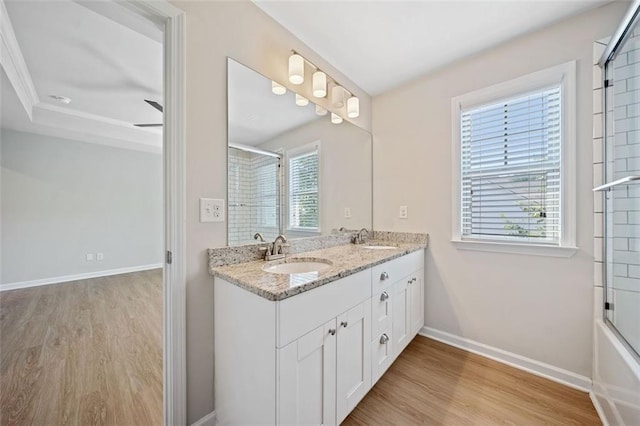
346, 260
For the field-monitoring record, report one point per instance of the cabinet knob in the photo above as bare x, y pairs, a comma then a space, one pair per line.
409, 282
384, 339
413, 280
384, 276
332, 331
344, 324
384, 296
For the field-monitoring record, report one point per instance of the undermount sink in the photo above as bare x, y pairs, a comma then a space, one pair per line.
379, 247
299, 266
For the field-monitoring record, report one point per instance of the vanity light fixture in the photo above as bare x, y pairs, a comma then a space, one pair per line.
320, 110
319, 84
301, 100
337, 96
335, 118
296, 69
278, 89
353, 107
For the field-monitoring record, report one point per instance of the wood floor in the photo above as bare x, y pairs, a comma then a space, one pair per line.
435, 384
83, 353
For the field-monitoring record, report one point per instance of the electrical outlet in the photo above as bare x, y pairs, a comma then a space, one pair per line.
404, 213
347, 212
99, 256
211, 210
89, 257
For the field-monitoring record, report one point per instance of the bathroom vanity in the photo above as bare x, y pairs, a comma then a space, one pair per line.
304, 348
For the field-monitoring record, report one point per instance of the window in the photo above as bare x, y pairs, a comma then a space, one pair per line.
514, 164
303, 188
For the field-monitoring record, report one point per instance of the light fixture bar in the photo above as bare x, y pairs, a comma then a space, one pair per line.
315, 67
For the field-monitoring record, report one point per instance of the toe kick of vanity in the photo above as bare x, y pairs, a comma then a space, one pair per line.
310, 358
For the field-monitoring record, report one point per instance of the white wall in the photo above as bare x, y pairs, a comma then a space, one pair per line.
216, 30
537, 307
62, 199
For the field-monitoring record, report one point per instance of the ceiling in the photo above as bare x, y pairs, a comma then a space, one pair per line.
107, 63
256, 115
382, 44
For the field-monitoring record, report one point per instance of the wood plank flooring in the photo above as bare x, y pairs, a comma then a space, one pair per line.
435, 384
86, 352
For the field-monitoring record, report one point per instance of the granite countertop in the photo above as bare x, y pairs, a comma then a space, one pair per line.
346, 260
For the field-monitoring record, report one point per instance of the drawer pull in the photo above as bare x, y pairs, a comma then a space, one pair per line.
384, 296
344, 324
384, 339
413, 280
384, 276
332, 331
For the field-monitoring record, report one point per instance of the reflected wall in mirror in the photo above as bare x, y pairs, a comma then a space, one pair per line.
290, 170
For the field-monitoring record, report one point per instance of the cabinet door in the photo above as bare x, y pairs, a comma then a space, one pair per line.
307, 378
417, 302
401, 316
354, 358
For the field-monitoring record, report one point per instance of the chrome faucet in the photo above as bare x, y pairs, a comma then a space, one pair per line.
359, 237
258, 235
277, 251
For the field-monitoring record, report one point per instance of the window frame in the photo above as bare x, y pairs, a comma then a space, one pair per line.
296, 152
565, 75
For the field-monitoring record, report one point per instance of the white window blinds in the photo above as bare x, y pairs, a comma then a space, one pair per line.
303, 191
510, 169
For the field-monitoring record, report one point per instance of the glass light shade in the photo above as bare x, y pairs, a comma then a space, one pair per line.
301, 100
296, 69
278, 89
353, 107
337, 96
319, 84
336, 119
320, 110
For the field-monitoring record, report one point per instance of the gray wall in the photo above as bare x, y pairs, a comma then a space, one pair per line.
62, 199
535, 306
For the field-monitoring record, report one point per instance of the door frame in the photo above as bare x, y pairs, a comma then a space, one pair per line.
172, 20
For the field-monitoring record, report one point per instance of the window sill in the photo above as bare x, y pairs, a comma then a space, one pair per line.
511, 248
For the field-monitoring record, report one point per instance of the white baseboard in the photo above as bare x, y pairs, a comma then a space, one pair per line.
596, 403
67, 278
529, 365
208, 420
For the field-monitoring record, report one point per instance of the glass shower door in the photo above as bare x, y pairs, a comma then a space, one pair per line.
622, 192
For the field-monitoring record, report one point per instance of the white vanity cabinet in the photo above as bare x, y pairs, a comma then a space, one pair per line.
310, 358
325, 373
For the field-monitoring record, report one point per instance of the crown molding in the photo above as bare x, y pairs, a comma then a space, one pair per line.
14, 65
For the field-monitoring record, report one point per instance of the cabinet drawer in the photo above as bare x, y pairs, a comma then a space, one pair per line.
303, 312
395, 270
381, 306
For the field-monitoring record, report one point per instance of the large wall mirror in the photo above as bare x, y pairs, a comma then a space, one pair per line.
291, 171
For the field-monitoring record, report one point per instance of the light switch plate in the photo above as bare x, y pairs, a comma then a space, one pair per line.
211, 210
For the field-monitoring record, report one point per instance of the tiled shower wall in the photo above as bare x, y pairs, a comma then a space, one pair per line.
253, 197
623, 202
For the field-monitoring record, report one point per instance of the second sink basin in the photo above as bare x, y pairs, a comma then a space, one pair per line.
299, 266
379, 247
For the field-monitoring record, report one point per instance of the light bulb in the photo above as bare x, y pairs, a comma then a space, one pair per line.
320, 110
353, 107
337, 96
278, 89
296, 69
319, 84
335, 118
301, 100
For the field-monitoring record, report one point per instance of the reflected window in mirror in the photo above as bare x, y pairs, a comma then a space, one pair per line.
303, 188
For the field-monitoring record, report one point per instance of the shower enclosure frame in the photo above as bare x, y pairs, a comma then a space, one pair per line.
624, 31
